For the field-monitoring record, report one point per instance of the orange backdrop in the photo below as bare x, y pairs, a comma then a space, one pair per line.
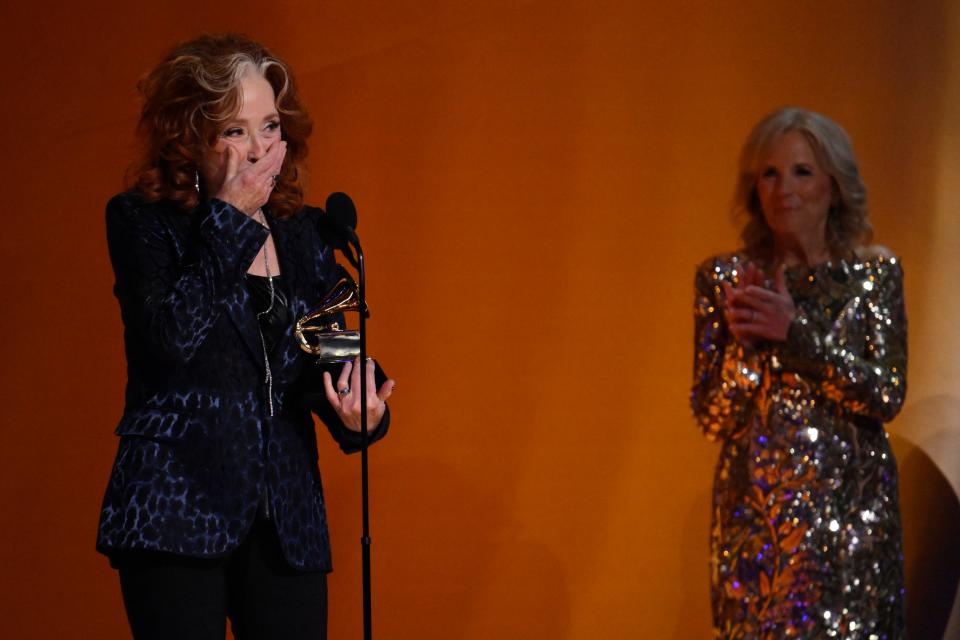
536, 181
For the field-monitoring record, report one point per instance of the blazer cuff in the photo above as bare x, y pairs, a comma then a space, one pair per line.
352, 440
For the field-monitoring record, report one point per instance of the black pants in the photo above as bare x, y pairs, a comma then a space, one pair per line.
168, 596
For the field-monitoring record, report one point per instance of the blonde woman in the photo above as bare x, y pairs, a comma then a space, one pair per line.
800, 359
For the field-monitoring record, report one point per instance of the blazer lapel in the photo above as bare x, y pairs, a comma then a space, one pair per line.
285, 238
241, 313
240, 309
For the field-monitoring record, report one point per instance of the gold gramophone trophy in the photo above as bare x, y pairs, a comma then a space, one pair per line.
319, 332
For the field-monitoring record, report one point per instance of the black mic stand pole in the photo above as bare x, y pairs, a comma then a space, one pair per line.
344, 221
364, 442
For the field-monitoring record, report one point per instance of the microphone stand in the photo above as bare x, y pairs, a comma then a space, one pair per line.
364, 442
345, 238
364, 432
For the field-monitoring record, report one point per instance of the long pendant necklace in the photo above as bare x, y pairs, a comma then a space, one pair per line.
268, 375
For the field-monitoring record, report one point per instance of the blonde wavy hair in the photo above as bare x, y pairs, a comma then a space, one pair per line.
848, 225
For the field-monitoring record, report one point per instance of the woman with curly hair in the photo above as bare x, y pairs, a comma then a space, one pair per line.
799, 358
214, 508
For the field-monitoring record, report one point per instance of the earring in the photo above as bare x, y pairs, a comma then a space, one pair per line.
196, 180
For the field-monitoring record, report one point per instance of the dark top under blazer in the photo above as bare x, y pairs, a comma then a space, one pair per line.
197, 446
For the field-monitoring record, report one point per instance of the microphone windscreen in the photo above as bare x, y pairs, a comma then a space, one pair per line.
341, 210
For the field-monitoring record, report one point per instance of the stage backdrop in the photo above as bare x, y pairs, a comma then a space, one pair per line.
536, 182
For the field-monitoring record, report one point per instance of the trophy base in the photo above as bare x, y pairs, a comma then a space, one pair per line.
336, 346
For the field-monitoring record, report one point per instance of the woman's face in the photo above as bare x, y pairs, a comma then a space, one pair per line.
795, 192
252, 132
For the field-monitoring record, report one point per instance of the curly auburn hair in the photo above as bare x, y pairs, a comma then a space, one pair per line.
848, 226
189, 98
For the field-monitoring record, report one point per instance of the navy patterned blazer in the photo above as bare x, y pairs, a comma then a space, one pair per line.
198, 449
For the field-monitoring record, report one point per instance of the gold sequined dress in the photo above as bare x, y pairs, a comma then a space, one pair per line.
806, 537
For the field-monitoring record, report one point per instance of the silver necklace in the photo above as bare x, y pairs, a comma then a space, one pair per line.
268, 375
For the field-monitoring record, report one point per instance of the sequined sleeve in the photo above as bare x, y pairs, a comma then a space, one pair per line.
860, 359
725, 376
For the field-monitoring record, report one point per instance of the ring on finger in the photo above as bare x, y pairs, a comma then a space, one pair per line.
344, 391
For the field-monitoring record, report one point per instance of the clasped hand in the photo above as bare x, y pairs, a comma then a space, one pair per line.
345, 399
754, 312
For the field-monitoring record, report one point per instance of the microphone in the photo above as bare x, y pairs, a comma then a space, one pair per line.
337, 224
343, 215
